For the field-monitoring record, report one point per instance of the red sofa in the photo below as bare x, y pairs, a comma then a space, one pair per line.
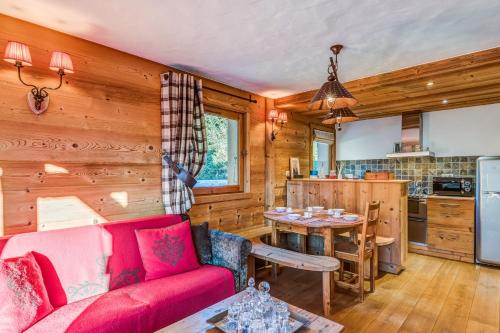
95, 279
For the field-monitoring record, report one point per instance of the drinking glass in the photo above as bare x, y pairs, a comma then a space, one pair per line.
258, 326
233, 313
282, 315
244, 321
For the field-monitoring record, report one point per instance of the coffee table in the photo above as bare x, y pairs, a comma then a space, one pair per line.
197, 323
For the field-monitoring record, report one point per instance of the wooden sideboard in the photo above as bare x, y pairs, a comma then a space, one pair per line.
450, 228
352, 195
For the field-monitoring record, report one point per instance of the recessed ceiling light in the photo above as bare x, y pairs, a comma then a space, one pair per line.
444, 101
430, 84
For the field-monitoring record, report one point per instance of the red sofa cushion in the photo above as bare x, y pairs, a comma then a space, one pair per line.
167, 251
112, 312
125, 264
143, 307
23, 296
175, 297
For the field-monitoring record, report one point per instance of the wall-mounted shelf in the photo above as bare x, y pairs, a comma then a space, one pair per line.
411, 154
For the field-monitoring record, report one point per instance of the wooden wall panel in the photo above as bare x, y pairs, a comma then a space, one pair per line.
94, 155
292, 141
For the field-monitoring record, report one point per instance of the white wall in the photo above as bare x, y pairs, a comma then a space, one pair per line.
368, 139
469, 131
463, 132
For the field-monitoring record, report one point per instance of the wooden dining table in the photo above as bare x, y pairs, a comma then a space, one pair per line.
321, 224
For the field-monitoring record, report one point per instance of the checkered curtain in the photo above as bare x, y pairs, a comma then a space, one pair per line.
183, 137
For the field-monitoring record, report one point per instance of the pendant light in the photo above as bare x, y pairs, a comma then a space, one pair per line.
339, 116
332, 94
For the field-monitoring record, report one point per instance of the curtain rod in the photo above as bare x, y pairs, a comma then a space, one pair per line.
248, 99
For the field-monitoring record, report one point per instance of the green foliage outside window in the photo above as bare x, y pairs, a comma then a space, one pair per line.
217, 140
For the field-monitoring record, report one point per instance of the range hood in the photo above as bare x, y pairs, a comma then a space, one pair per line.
411, 136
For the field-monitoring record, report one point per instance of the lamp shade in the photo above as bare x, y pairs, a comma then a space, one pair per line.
338, 116
61, 61
332, 95
273, 114
17, 53
282, 117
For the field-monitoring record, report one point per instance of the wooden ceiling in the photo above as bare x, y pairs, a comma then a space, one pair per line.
467, 80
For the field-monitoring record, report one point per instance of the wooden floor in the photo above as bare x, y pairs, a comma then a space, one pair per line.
431, 295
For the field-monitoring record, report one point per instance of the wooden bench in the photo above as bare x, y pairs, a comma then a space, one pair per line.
283, 257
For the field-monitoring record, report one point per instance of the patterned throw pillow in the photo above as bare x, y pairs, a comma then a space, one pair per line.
167, 251
201, 238
24, 299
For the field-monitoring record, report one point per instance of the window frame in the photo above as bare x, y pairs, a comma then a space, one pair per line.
210, 190
330, 152
333, 144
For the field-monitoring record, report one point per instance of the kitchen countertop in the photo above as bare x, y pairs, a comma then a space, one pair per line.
400, 181
432, 196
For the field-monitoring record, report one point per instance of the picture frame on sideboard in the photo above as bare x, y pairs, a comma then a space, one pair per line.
294, 167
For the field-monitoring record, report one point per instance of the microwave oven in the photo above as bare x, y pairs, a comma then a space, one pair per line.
453, 186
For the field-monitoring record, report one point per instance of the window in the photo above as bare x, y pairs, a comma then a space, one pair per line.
322, 147
223, 169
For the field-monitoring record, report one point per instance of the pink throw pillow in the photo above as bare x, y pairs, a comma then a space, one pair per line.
24, 299
167, 251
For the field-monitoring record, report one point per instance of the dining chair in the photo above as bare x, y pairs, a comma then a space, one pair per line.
357, 251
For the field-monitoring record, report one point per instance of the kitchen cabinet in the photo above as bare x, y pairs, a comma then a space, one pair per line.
450, 228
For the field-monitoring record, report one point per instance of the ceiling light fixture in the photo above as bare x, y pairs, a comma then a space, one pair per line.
430, 84
332, 94
19, 54
444, 101
339, 116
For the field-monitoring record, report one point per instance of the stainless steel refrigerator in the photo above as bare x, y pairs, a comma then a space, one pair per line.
488, 211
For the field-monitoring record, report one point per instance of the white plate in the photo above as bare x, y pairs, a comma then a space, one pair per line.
280, 209
293, 216
350, 217
317, 208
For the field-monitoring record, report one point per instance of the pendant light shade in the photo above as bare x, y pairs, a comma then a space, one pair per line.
332, 94
339, 116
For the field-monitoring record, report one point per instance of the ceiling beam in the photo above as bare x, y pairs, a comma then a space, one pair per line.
473, 77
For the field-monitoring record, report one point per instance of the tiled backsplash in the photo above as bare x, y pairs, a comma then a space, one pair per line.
414, 168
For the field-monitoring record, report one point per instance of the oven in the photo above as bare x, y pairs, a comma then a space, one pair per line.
417, 219
453, 186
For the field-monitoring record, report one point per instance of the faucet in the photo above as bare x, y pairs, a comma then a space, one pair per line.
417, 188
420, 189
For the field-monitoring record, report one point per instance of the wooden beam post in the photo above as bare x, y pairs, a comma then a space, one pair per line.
270, 160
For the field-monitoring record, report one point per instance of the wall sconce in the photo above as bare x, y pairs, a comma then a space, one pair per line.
277, 117
19, 54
